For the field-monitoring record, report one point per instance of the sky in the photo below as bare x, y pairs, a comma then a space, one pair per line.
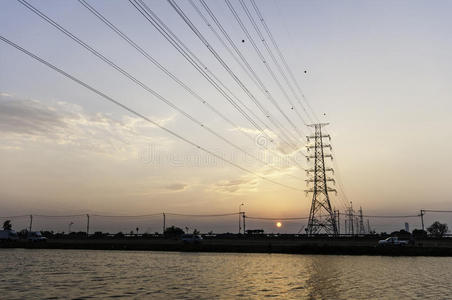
378, 71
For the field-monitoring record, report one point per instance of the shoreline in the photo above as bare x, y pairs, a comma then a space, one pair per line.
323, 246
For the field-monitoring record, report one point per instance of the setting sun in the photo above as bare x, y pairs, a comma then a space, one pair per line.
278, 224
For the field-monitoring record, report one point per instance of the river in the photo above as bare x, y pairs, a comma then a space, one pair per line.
83, 274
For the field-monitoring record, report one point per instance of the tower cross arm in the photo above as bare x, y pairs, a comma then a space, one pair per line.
324, 146
309, 147
325, 155
327, 179
309, 137
311, 190
326, 169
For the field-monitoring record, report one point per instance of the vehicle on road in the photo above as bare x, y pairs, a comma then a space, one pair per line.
8, 235
191, 238
392, 241
36, 236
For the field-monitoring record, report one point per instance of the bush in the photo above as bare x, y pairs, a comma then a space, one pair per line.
173, 231
419, 233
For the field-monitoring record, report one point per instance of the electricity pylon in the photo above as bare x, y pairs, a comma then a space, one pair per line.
321, 216
362, 230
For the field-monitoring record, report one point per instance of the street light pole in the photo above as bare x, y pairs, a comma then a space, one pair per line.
240, 214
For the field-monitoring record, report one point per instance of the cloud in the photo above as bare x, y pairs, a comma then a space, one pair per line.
236, 185
66, 124
29, 117
176, 187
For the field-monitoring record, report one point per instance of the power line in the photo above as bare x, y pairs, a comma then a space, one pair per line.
172, 76
213, 215
275, 61
277, 219
248, 69
59, 216
286, 65
265, 63
127, 216
245, 66
130, 110
161, 27
156, 63
141, 84
281, 56
383, 216
278, 125
202, 216
15, 217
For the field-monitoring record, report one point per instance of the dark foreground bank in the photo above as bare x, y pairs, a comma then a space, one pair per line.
356, 246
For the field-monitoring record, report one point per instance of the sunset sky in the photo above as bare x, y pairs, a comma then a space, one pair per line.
378, 71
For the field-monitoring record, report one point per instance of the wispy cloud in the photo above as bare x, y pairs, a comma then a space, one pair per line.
236, 185
176, 187
24, 120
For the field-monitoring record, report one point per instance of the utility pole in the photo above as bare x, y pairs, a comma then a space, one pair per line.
368, 227
240, 215
87, 224
31, 222
422, 218
361, 221
321, 215
244, 225
164, 223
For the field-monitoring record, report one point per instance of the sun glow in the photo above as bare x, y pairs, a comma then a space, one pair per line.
278, 224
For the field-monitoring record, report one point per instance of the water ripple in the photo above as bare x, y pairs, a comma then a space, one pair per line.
75, 274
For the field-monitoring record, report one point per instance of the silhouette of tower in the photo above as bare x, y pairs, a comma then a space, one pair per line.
361, 222
321, 216
351, 218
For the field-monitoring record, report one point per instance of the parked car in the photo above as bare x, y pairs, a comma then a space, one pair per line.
191, 238
36, 236
8, 235
394, 241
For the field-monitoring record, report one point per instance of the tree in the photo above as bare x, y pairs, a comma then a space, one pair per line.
196, 232
419, 233
173, 231
438, 229
7, 225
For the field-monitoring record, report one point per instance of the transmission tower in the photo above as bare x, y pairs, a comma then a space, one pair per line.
321, 216
361, 222
350, 215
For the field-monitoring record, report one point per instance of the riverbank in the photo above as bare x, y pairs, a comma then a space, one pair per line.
438, 247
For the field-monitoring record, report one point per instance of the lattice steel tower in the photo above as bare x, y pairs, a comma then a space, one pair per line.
321, 216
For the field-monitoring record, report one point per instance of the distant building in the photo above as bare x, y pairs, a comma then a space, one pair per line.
407, 227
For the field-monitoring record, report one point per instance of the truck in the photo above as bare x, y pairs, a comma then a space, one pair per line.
8, 235
392, 241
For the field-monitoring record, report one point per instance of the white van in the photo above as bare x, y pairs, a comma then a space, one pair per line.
8, 235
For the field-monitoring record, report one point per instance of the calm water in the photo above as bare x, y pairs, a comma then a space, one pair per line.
30, 274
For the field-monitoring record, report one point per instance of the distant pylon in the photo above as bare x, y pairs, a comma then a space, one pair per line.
362, 230
350, 215
321, 216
